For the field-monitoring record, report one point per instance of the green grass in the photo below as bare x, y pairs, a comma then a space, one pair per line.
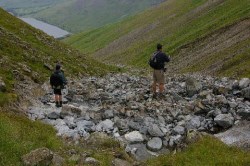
173, 23
22, 45
207, 152
19, 136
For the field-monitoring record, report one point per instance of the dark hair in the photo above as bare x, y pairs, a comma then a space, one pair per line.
159, 46
58, 66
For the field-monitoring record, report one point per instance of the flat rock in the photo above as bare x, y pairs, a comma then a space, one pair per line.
238, 135
155, 144
179, 130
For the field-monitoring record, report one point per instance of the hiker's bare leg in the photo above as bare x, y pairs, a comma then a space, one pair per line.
56, 98
161, 87
60, 98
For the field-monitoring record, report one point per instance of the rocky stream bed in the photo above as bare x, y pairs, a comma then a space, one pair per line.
122, 106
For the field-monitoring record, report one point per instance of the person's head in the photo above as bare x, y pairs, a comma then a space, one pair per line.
159, 46
58, 67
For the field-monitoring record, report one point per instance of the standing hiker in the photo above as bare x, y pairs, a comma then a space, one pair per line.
57, 82
157, 62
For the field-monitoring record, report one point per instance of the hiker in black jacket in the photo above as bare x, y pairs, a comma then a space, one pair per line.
57, 82
157, 62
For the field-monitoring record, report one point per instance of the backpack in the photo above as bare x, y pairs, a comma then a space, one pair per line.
153, 62
56, 80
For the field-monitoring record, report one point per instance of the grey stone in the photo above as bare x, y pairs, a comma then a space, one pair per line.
244, 82
244, 113
85, 125
108, 114
224, 120
92, 161
134, 137
246, 93
155, 144
70, 110
139, 151
41, 156
192, 86
179, 130
53, 115
194, 123
155, 131
69, 120
105, 125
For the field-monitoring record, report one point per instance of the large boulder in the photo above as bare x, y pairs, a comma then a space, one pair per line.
42, 156
238, 136
192, 86
224, 120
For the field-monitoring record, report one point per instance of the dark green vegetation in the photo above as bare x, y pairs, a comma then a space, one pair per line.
19, 136
200, 35
207, 151
25, 51
79, 15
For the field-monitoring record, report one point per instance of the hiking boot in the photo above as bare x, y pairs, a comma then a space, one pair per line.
154, 96
57, 104
60, 104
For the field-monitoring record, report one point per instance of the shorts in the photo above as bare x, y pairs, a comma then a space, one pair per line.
58, 91
158, 76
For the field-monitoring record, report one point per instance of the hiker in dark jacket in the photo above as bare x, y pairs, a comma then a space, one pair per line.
159, 69
57, 82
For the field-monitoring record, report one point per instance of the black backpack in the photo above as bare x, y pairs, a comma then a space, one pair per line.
153, 62
56, 79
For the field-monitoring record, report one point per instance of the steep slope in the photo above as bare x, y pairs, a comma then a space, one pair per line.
79, 15
29, 54
25, 7
202, 35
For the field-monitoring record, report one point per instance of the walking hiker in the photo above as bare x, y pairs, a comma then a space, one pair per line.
58, 82
157, 62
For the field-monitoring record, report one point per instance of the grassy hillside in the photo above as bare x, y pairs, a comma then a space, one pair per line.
79, 15
19, 136
200, 35
25, 52
25, 7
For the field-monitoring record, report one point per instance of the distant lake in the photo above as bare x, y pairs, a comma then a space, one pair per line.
47, 28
